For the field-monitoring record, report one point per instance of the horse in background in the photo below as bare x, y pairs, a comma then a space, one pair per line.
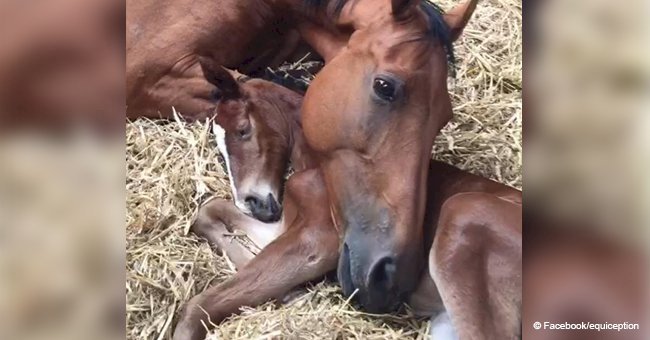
165, 39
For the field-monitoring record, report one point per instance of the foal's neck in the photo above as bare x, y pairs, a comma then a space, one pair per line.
288, 104
302, 157
300, 154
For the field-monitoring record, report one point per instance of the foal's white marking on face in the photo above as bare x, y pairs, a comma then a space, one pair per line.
441, 327
255, 182
256, 186
220, 134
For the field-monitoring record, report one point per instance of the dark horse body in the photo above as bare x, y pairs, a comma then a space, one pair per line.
166, 38
473, 261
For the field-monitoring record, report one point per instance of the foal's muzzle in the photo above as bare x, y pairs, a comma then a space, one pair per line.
264, 209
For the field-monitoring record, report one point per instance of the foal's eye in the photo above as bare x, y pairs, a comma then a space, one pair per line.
385, 89
244, 132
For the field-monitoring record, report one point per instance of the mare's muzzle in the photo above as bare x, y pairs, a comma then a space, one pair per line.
369, 265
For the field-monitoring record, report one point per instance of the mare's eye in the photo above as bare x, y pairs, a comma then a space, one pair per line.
385, 89
244, 132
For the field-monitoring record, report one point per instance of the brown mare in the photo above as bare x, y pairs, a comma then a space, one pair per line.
483, 257
166, 38
371, 115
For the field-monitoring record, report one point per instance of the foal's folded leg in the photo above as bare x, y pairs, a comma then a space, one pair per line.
210, 225
299, 255
475, 262
219, 221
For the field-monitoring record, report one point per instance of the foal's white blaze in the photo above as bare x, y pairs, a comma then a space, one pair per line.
221, 145
441, 327
254, 185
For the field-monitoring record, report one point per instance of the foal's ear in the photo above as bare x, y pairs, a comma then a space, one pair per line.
220, 77
401, 8
457, 17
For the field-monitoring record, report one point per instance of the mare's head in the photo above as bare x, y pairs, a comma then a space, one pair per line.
372, 113
253, 128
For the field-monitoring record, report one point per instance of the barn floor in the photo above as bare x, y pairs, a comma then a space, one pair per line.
170, 166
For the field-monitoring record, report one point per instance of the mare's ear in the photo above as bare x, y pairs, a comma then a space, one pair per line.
220, 77
457, 17
401, 8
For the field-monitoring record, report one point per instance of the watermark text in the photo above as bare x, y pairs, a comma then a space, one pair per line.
604, 326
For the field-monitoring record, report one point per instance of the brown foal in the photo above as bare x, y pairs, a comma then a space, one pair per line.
303, 245
474, 259
256, 122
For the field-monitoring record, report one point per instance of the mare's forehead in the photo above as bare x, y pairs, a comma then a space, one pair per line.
423, 31
386, 35
401, 50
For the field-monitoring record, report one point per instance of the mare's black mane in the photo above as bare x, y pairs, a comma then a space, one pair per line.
438, 29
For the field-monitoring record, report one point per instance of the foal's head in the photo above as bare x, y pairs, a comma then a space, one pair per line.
253, 128
372, 113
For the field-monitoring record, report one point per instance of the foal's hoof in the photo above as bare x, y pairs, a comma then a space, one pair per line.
441, 327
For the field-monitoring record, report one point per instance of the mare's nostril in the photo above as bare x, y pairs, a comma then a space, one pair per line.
382, 275
344, 271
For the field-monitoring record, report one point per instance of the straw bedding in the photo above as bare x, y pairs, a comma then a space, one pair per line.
172, 166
